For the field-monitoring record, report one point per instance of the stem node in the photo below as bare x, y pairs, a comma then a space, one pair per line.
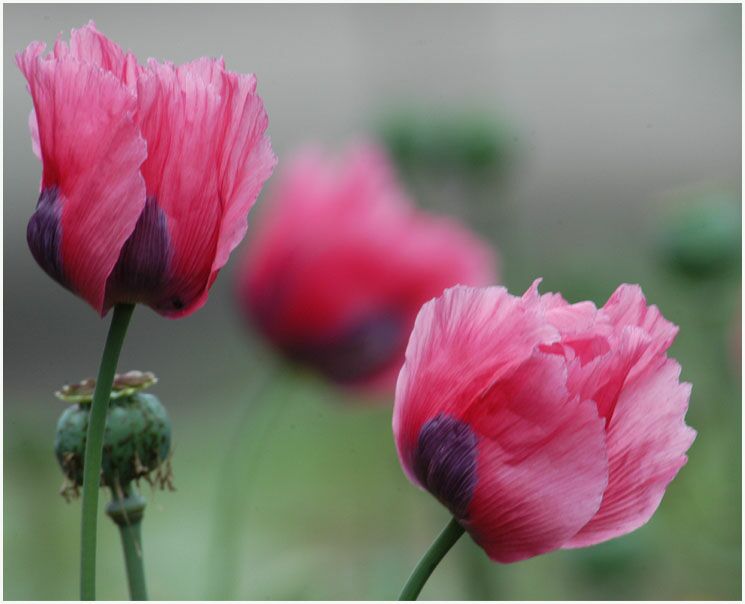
126, 509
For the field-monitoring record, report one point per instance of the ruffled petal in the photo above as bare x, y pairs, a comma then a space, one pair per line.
207, 160
462, 343
603, 378
628, 307
647, 440
542, 466
92, 190
88, 45
584, 331
247, 162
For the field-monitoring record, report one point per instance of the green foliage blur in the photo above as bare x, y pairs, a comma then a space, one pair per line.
290, 489
467, 141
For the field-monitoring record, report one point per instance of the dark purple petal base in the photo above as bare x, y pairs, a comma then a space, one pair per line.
445, 462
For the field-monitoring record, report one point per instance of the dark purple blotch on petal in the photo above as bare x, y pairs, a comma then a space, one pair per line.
44, 234
355, 353
445, 462
140, 272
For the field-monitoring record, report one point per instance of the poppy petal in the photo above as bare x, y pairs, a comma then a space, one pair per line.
461, 344
627, 306
206, 165
647, 440
542, 465
91, 150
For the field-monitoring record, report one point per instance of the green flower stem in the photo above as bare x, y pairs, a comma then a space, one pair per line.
126, 510
446, 539
259, 415
94, 448
132, 544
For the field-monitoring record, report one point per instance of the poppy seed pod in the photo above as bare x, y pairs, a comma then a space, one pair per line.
137, 439
701, 236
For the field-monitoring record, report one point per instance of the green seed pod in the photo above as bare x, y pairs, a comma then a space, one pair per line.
474, 142
701, 235
137, 439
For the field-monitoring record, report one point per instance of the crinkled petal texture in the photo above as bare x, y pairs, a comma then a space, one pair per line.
205, 169
540, 466
645, 404
342, 261
541, 424
149, 171
92, 192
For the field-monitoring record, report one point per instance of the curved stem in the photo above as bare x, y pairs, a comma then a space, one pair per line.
94, 448
240, 462
445, 540
126, 509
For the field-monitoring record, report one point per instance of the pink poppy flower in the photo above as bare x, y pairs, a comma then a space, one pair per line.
541, 424
148, 171
342, 261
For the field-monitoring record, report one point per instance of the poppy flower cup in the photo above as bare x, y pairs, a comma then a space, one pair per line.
342, 262
541, 424
148, 171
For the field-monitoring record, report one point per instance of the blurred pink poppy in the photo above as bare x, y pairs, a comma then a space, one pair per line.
542, 424
148, 171
342, 261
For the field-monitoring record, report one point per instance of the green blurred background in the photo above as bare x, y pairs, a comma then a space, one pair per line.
593, 145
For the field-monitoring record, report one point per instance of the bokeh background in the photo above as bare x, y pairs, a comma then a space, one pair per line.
613, 154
